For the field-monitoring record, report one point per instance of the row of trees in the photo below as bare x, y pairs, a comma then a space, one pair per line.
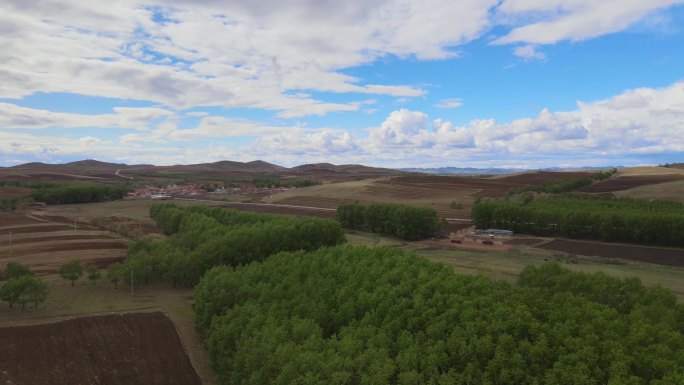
272, 181
353, 315
203, 237
584, 216
403, 221
564, 185
21, 286
79, 193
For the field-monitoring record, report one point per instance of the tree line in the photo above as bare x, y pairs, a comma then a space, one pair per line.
202, 237
273, 181
403, 221
353, 315
79, 193
587, 216
564, 185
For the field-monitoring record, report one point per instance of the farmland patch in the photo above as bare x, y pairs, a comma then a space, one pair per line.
124, 349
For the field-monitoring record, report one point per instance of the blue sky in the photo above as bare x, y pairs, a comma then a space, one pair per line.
397, 83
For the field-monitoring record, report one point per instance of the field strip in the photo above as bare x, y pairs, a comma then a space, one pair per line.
33, 228
256, 204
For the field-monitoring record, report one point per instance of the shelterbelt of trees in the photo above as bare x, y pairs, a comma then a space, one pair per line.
359, 316
79, 193
403, 221
203, 237
60, 193
565, 185
584, 216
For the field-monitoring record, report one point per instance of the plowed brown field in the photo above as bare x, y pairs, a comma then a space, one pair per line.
627, 182
125, 349
659, 255
45, 242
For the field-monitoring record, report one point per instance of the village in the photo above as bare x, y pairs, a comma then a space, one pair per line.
196, 191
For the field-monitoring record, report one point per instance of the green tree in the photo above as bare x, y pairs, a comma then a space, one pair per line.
71, 270
114, 273
15, 269
94, 274
24, 289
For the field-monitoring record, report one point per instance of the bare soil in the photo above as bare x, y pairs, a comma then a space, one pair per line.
38, 228
659, 255
279, 209
53, 247
122, 349
50, 238
14, 192
16, 219
628, 182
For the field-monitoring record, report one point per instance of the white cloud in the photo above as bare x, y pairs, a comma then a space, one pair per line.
450, 103
236, 54
644, 120
551, 21
17, 117
631, 124
529, 52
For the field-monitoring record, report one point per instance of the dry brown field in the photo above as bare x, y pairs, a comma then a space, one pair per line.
44, 242
627, 182
120, 349
433, 191
673, 191
659, 255
14, 192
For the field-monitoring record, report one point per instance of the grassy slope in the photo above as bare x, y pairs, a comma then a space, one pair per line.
673, 191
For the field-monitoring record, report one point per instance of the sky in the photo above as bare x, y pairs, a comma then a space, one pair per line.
391, 83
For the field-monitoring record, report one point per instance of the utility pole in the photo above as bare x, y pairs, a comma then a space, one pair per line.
131, 281
10, 248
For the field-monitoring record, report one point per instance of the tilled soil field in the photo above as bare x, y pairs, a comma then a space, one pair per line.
51, 238
280, 209
73, 246
489, 187
39, 228
627, 182
45, 242
123, 349
16, 219
658, 255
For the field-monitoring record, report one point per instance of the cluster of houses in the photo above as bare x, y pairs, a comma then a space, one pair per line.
167, 192
194, 191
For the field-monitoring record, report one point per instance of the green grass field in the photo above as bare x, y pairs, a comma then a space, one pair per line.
507, 265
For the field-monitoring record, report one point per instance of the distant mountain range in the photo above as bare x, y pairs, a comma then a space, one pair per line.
259, 166
323, 170
493, 171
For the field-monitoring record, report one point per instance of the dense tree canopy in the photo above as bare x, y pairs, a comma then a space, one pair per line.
24, 289
350, 315
79, 193
406, 222
203, 237
587, 216
15, 269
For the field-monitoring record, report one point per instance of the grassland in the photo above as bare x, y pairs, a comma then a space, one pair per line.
673, 191
506, 265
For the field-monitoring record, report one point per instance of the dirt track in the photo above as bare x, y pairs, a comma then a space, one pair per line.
125, 349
